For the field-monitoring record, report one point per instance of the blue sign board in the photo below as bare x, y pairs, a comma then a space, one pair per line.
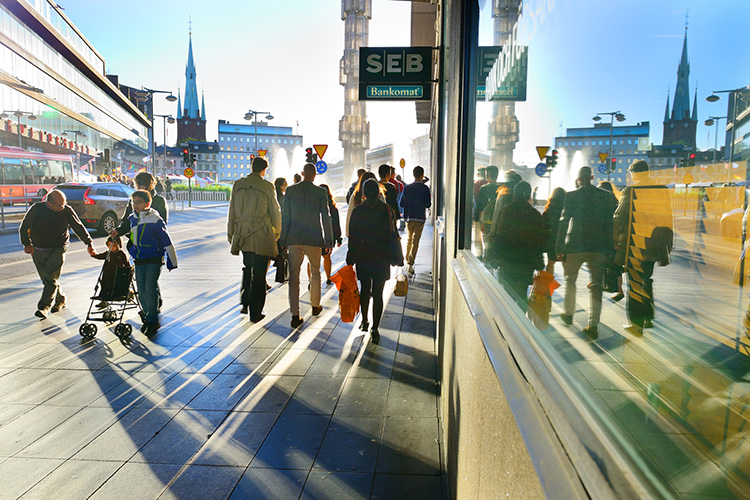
541, 169
602, 168
321, 167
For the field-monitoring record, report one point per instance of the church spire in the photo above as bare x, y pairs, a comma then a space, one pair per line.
695, 106
666, 111
681, 105
191, 86
179, 104
203, 105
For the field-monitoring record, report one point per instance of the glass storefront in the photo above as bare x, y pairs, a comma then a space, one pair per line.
650, 326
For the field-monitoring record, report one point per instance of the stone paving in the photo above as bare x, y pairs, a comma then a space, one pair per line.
214, 406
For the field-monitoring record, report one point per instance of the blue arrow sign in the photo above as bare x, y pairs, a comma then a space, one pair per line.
541, 169
602, 168
321, 167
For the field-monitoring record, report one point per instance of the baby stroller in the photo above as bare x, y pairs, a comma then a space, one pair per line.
117, 297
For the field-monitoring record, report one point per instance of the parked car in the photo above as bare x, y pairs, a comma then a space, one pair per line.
99, 205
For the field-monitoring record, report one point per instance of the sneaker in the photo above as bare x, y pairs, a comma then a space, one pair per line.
618, 297
296, 321
257, 318
410, 269
316, 310
150, 329
245, 309
591, 332
58, 307
647, 323
364, 326
41, 313
567, 319
375, 336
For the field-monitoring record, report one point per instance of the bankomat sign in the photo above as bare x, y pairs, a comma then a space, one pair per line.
502, 78
395, 73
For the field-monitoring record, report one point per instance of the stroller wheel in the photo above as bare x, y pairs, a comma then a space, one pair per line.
123, 330
87, 330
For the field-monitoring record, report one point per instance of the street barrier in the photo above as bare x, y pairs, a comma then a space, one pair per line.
202, 195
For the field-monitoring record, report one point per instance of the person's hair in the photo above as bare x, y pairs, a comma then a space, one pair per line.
142, 194
331, 201
418, 172
638, 166
512, 177
522, 191
308, 169
278, 182
607, 186
358, 194
371, 188
259, 164
557, 198
384, 171
492, 172
297, 178
360, 172
584, 173
145, 179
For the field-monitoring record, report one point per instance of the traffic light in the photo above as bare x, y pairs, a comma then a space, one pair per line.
252, 157
553, 159
691, 160
107, 158
683, 162
613, 164
186, 156
192, 158
311, 157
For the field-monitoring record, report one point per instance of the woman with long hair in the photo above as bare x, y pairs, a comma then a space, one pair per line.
281, 185
552, 212
358, 196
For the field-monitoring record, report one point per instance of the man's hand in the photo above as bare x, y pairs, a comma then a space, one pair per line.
91, 249
28, 249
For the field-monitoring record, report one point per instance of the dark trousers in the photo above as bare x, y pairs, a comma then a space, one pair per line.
371, 287
253, 291
640, 303
517, 278
49, 263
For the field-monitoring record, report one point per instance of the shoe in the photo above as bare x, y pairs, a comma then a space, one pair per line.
568, 320
633, 328
329, 282
410, 269
591, 332
245, 310
150, 329
41, 313
296, 321
268, 287
364, 326
618, 297
647, 323
58, 307
375, 336
316, 310
257, 318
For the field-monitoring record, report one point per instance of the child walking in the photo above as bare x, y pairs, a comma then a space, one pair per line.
151, 241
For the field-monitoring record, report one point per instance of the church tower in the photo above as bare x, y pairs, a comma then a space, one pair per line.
191, 119
680, 126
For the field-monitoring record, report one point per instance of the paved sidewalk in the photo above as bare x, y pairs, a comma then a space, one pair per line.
214, 406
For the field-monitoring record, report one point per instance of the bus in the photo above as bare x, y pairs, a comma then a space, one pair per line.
26, 176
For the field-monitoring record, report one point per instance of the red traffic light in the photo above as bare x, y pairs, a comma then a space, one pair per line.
554, 152
614, 160
185, 151
692, 156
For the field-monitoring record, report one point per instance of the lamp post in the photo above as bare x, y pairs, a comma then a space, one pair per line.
146, 94
250, 115
165, 119
18, 115
710, 121
77, 134
614, 115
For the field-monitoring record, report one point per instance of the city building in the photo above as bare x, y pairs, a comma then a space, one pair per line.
680, 125
191, 120
237, 147
582, 147
378, 156
75, 109
207, 162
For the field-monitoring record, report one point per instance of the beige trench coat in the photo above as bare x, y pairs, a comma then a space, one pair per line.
254, 219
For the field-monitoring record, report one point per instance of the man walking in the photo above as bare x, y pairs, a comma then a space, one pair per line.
585, 235
45, 236
391, 193
253, 226
306, 230
484, 205
415, 201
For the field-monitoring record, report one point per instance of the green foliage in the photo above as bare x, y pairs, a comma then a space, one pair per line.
209, 187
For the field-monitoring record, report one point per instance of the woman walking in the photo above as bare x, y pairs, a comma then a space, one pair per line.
552, 212
369, 252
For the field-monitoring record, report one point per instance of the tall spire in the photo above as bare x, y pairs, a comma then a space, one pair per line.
179, 104
681, 105
666, 111
695, 106
203, 105
191, 87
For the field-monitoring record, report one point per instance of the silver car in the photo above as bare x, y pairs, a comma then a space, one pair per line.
99, 205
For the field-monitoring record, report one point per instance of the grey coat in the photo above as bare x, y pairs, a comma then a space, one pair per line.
254, 219
306, 219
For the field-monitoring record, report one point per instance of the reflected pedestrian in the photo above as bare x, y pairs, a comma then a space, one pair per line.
552, 212
485, 206
607, 186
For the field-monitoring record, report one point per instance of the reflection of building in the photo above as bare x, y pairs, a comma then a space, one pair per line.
582, 146
237, 142
680, 126
740, 129
421, 153
37, 36
191, 121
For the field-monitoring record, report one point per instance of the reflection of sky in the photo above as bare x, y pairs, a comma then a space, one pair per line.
589, 57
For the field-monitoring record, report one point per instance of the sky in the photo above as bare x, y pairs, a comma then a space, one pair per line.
585, 56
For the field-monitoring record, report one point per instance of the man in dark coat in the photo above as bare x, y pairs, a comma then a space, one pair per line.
585, 235
484, 205
391, 193
521, 236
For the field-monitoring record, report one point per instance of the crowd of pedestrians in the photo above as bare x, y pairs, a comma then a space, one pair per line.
583, 226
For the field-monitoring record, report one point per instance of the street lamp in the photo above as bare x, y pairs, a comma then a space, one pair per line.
78, 153
165, 119
250, 115
710, 121
18, 115
146, 94
614, 115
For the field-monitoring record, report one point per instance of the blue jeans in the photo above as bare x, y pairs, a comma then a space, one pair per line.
147, 278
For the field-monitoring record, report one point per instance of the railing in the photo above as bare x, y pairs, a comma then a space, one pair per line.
201, 195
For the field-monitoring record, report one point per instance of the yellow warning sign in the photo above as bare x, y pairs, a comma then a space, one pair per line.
188, 172
687, 179
262, 152
402, 163
603, 157
542, 151
320, 149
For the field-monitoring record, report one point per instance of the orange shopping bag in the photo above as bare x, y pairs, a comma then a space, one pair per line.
540, 300
346, 281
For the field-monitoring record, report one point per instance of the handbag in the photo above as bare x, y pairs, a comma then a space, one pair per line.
397, 253
609, 277
282, 267
345, 280
402, 285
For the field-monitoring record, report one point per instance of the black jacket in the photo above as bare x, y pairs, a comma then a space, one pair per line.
522, 235
45, 228
586, 221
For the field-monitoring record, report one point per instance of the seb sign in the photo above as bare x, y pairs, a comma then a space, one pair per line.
395, 73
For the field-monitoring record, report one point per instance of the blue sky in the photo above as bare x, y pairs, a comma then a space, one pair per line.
586, 57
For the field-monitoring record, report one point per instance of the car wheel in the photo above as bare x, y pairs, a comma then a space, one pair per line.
108, 223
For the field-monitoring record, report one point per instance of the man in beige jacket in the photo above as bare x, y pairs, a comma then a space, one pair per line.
253, 226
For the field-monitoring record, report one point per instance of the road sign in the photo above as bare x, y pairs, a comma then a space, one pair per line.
320, 149
602, 168
687, 178
321, 167
542, 151
189, 172
541, 168
262, 152
603, 157
402, 163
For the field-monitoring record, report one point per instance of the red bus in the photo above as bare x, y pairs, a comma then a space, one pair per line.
26, 176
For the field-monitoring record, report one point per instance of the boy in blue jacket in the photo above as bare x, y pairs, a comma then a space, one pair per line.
151, 241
